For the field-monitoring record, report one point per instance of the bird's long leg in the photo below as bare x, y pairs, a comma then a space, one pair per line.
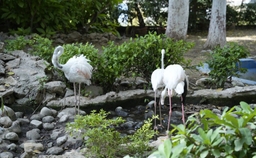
155, 112
74, 84
182, 108
160, 113
79, 89
170, 111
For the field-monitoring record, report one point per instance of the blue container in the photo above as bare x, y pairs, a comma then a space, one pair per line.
250, 76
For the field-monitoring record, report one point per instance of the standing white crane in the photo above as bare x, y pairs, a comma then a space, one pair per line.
157, 82
175, 80
76, 70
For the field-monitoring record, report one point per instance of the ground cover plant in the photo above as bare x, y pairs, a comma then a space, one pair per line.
103, 140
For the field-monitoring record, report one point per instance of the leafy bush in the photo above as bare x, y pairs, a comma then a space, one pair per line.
141, 56
40, 46
223, 62
229, 135
51, 16
102, 138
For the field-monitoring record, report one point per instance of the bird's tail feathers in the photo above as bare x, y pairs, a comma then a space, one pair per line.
180, 88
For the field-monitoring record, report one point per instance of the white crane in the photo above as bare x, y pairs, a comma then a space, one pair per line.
76, 70
175, 80
157, 82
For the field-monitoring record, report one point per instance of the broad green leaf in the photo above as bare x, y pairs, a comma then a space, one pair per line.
246, 135
165, 148
245, 107
239, 144
206, 140
216, 152
178, 149
204, 154
232, 119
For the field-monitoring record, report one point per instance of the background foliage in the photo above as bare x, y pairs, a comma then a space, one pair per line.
51, 16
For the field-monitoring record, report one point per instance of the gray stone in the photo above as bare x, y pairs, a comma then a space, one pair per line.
48, 126
61, 140
36, 123
5, 121
36, 117
11, 136
7, 111
55, 133
48, 112
12, 147
33, 134
29, 146
47, 119
63, 118
15, 127
6, 154
57, 87
54, 151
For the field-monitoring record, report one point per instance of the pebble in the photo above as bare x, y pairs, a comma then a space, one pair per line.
33, 134
54, 150
12, 136
36, 123
5, 121
61, 140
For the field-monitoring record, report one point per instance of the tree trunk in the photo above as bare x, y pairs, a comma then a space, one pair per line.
177, 22
217, 29
139, 14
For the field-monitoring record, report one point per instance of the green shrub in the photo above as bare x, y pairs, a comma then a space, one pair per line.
206, 134
102, 138
223, 62
141, 56
40, 46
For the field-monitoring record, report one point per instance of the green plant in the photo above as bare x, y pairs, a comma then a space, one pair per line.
208, 135
20, 43
223, 62
102, 138
139, 57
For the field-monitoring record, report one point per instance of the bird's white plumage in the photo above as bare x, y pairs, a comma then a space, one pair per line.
174, 75
77, 69
157, 75
157, 80
173, 79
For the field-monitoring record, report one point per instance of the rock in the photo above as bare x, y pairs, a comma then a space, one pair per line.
5, 121
63, 118
28, 146
11, 136
119, 112
15, 127
12, 147
8, 112
33, 134
6, 154
57, 87
54, 151
47, 119
36, 117
48, 112
36, 123
48, 126
61, 140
